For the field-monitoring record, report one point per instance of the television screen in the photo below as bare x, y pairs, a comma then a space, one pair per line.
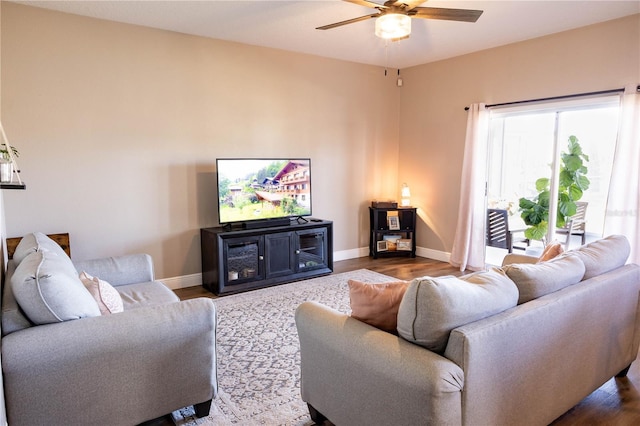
257, 189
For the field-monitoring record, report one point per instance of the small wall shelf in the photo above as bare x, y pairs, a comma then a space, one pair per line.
12, 169
13, 185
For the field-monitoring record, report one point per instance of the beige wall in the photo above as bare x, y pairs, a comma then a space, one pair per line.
119, 126
433, 121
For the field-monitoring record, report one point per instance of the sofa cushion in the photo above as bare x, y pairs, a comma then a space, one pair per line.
140, 295
48, 290
107, 297
377, 304
34, 242
535, 280
604, 255
432, 307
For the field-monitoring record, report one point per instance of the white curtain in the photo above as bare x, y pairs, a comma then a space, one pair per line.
468, 245
623, 205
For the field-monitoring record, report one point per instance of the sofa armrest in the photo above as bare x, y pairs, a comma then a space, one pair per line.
512, 258
119, 270
124, 368
355, 374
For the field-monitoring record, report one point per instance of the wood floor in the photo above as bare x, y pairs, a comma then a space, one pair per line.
617, 402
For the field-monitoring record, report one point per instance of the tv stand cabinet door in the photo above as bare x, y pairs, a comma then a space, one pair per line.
279, 254
242, 259
312, 249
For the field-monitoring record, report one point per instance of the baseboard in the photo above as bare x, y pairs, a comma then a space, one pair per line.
183, 281
350, 254
442, 256
194, 280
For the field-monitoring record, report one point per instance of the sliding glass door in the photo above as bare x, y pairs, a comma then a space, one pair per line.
528, 142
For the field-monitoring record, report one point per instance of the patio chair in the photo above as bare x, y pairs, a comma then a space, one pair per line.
575, 225
498, 233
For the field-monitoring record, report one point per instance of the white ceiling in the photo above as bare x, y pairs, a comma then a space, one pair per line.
290, 25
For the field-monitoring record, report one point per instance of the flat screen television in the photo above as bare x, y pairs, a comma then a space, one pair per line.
261, 189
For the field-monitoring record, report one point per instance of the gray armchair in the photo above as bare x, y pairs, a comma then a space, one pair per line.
156, 356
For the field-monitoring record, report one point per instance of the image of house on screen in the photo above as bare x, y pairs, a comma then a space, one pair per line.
292, 181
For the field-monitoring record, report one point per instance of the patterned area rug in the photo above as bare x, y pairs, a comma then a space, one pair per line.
259, 355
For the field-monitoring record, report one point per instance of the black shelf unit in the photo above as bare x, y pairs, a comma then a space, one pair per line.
392, 242
239, 260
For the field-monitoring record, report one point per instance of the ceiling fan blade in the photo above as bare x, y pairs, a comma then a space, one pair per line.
366, 3
464, 15
413, 3
348, 21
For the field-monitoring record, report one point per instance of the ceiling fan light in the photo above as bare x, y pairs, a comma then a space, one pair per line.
393, 26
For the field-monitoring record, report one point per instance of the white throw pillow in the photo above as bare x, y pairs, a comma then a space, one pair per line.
107, 297
47, 288
33, 242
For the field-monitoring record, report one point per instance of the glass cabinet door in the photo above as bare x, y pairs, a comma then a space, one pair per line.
243, 259
312, 249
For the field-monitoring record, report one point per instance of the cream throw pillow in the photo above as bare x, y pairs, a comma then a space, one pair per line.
604, 255
432, 307
107, 297
377, 304
537, 279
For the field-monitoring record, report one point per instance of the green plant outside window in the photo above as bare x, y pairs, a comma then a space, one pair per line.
573, 182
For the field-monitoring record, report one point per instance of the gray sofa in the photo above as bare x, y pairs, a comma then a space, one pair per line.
525, 365
65, 363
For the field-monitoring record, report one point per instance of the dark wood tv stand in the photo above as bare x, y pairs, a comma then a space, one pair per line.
246, 259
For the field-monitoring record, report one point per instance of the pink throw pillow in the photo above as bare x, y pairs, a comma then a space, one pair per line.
377, 304
107, 297
553, 249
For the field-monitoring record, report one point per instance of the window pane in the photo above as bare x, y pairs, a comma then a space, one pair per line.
596, 130
520, 152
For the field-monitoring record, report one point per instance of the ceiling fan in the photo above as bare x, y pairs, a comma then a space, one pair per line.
393, 18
